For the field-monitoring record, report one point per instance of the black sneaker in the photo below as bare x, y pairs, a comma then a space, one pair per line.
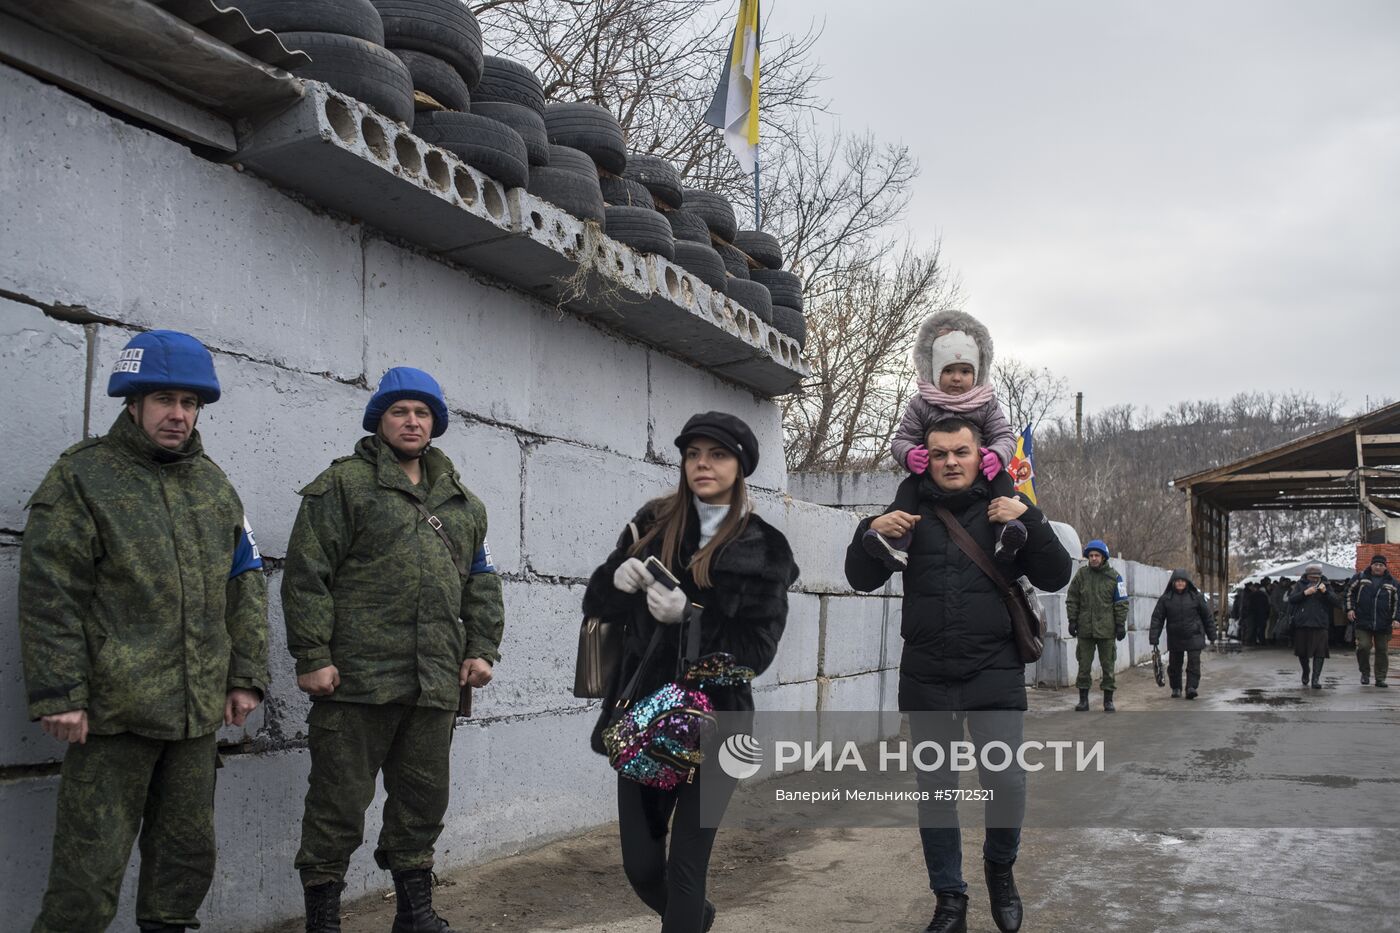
878, 547
1011, 540
950, 916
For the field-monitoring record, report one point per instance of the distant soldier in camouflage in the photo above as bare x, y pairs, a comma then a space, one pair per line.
1096, 606
143, 620
392, 605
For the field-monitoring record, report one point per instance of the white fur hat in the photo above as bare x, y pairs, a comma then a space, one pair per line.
954, 347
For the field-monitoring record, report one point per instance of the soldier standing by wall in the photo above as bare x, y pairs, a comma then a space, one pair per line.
387, 621
143, 621
1097, 608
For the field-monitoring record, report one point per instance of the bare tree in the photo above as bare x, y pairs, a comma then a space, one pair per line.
655, 65
858, 340
1029, 395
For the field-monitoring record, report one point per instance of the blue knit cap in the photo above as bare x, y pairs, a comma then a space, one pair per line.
164, 359
403, 382
1096, 545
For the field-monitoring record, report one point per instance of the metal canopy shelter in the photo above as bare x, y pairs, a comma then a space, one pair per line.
1355, 465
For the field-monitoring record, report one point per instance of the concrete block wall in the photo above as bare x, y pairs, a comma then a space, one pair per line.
562, 428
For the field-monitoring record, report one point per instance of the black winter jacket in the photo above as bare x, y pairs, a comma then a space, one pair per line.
1313, 611
959, 652
745, 610
1375, 600
1186, 616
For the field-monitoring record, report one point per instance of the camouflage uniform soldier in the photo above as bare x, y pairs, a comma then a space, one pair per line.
143, 619
1096, 606
387, 621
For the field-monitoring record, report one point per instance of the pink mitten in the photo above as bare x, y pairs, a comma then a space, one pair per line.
991, 464
917, 460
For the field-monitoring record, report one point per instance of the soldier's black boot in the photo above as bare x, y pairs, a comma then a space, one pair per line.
950, 916
1083, 703
1006, 900
413, 894
323, 907
1108, 706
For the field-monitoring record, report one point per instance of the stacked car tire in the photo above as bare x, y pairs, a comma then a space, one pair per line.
346, 42
784, 288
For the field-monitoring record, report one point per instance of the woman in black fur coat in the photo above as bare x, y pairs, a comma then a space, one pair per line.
735, 570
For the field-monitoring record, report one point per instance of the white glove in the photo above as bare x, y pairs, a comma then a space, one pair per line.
632, 576
666, 606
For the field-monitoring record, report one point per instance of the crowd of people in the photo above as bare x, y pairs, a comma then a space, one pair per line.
143, 620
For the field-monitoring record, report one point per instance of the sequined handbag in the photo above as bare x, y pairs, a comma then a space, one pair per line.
658, 740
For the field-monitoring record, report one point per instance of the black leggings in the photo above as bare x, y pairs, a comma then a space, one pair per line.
672, 886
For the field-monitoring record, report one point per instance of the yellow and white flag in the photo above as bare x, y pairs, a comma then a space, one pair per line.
735, 106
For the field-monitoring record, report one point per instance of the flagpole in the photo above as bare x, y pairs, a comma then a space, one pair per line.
757, 216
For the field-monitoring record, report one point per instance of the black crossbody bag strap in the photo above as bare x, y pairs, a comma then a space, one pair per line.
435, 523
972, 549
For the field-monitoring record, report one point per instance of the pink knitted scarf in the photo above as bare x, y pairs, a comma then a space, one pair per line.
970, 400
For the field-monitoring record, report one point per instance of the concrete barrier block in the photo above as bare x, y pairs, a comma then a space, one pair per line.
536, 671
1140, 613
21, 742
866, 493
1138, 649
45, 415
425, 313
26, 846
503, 799
861, 693
819, 537
678, 391
795, 697
893, 647
854, 632
230, 259
1056, 618
796, 660
491, 463
578, 500
851, 707
1056, 667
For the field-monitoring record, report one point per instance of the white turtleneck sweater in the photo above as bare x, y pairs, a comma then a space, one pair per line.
711, 516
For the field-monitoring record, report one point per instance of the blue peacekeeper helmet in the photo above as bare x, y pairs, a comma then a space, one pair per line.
164, 359
403, 382
1096, 545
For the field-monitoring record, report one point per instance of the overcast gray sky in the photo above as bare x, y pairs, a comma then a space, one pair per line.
1159, 200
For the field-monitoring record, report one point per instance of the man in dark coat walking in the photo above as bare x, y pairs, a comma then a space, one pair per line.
1183, 611
1372, 602
960, 654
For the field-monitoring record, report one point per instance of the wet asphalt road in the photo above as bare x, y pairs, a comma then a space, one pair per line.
1332, 875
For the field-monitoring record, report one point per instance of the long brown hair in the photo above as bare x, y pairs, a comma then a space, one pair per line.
672, 513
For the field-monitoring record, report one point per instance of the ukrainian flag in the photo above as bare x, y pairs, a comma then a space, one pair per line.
1021, 469
735, 105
